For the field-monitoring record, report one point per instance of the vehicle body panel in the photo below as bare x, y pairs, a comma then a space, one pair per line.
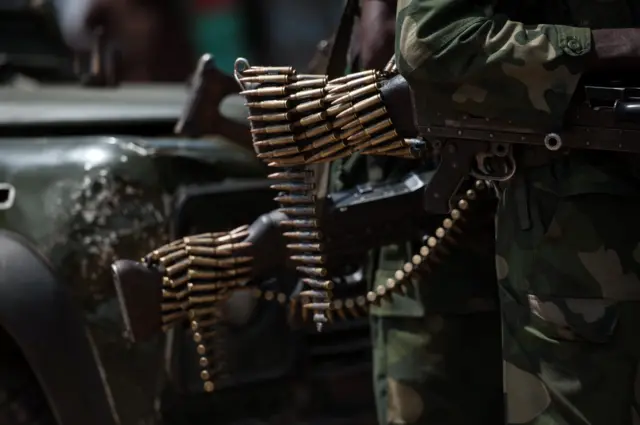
85, 201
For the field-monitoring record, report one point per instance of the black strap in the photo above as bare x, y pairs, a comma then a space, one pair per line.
338, 58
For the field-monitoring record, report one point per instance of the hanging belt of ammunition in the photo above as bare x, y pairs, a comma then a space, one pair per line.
433, 252
297, 120
198, 274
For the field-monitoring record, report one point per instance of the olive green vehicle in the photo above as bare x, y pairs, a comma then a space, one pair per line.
88, 175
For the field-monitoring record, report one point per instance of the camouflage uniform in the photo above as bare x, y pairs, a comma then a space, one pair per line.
436, 351
568, 257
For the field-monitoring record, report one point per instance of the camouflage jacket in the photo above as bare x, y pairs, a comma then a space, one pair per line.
516, 59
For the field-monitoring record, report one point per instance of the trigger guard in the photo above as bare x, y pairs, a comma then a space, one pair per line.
482, 173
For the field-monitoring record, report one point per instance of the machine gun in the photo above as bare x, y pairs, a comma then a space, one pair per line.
607, 120
160, 294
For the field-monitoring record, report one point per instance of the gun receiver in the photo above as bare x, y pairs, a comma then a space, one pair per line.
202, 115
370, 216
609, 120
354, 221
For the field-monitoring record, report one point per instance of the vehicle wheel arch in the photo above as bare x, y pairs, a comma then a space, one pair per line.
39, 316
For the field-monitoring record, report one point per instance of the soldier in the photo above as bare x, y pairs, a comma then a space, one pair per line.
567, 239
436, 350
151, 36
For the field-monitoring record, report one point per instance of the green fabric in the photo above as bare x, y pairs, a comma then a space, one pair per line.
220, 34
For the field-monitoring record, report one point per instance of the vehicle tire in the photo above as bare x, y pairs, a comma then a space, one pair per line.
22, 401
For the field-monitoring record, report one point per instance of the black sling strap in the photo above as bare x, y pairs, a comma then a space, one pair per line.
338, 58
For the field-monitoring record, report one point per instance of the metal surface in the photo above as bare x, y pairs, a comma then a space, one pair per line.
34, 104
37, 311
83, 202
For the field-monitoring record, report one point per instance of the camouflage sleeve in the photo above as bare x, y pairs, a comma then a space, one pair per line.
480, 62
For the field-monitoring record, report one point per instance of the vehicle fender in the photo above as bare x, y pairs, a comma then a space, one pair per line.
38, 312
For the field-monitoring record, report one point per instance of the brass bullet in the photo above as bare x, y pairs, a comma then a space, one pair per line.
312, 271
315, 131
174, 295
341, 122
362, 91
373, 298
326, 285
350, 305
265, 91
309, 106
286, 162
361, 105
307, 94
312, 119
255, 70
233, 236
289, 175
389, 67
303, 235
317, 306
327, 152
370, 116
407, 268
308, 259
337, 307
334, 110
278, 153
180, 267
280, 79
347, 78
295, 199
355, 83
322, 141
270, 104
282, 116
272, 129
298, 211
275, 141
204, 299
308, 83
372, 129
471, 194
299, 223
306, 247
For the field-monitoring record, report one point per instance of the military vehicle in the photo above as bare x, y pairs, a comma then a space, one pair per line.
91, 172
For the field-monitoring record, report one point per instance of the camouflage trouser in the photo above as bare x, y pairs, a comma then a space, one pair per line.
437, 351
441, 369
568, 261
